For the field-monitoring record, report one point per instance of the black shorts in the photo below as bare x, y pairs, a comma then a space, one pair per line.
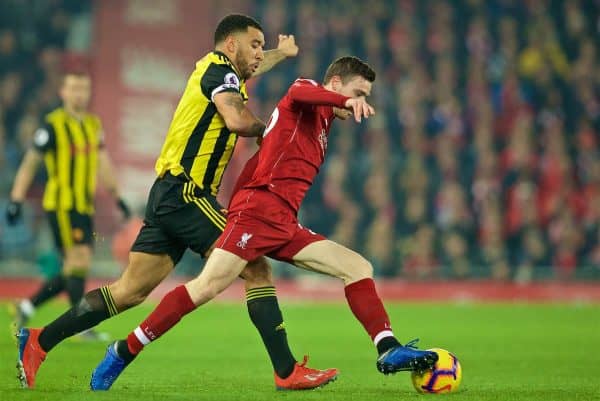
179, 216
71, 228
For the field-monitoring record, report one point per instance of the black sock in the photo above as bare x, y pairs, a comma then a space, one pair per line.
95, 307
75, 285
49, 289
123, 351
265, 314
386, 343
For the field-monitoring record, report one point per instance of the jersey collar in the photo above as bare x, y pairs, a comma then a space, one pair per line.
227, 60
71, 115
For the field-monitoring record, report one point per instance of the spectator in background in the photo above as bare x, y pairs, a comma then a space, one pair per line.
417, 254
497, 100
533, 252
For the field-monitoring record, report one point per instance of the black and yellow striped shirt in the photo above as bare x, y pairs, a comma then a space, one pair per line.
198, 144
70, 148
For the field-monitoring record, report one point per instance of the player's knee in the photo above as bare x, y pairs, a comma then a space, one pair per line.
361, 269
79, 256
127, 295
258, 274
202, 292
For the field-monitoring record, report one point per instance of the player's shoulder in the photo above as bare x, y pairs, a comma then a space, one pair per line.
215, 69
94, 118
55, 115
43, 137
215, 63
305, 81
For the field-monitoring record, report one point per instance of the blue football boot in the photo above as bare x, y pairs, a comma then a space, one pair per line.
108, 370
406, 358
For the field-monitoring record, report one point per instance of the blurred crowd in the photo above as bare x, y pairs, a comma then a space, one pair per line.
482, 161
38, 41
34, 37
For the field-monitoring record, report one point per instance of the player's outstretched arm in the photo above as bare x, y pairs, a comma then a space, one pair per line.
286, 48
238, 118
308, 91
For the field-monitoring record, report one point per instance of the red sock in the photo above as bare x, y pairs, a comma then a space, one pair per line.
175, 305
368, 309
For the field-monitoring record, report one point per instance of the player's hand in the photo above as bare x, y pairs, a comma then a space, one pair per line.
360, 108
287, 45
125, 210
14, 212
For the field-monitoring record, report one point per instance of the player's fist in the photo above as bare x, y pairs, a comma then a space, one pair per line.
359, 107
287, 45
14, 211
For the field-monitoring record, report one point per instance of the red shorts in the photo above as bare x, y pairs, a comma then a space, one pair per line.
261, 223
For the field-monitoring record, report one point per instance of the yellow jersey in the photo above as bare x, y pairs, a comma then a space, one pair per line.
198, 143
70, 149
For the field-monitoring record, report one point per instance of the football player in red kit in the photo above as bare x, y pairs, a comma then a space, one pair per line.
262, 220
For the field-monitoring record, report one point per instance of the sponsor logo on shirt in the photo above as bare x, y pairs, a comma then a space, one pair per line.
323, 142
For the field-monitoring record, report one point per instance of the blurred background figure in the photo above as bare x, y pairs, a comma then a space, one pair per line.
482, 162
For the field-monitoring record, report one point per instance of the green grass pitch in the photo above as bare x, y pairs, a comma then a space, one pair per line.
508, 352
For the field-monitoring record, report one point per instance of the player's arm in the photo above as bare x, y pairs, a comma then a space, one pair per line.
285, 48
238, 118
43, 140
106, 174
308, 91
25, 175
222, 86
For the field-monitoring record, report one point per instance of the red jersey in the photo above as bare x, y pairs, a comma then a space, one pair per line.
295, 141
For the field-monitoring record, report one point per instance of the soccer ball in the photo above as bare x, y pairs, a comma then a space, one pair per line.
443, 378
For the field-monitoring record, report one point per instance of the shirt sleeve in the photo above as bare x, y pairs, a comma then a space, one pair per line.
219, 78
44, 139
308, 91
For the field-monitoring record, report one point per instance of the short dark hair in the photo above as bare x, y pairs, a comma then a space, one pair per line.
75, 72
347, 67
234, 23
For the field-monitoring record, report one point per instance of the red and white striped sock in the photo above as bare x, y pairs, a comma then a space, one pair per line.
368, 309
175, 305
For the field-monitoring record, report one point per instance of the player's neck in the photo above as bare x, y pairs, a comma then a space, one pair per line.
229, 55
74, 113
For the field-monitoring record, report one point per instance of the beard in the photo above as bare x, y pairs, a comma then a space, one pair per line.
243, 66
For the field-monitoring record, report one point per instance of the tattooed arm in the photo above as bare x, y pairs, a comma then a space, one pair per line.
238, 118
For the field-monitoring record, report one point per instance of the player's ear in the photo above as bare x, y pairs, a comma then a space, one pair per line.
231, 43
336, 82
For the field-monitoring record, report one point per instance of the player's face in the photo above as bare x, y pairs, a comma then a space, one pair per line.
76, 91
249, 53
355, 87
